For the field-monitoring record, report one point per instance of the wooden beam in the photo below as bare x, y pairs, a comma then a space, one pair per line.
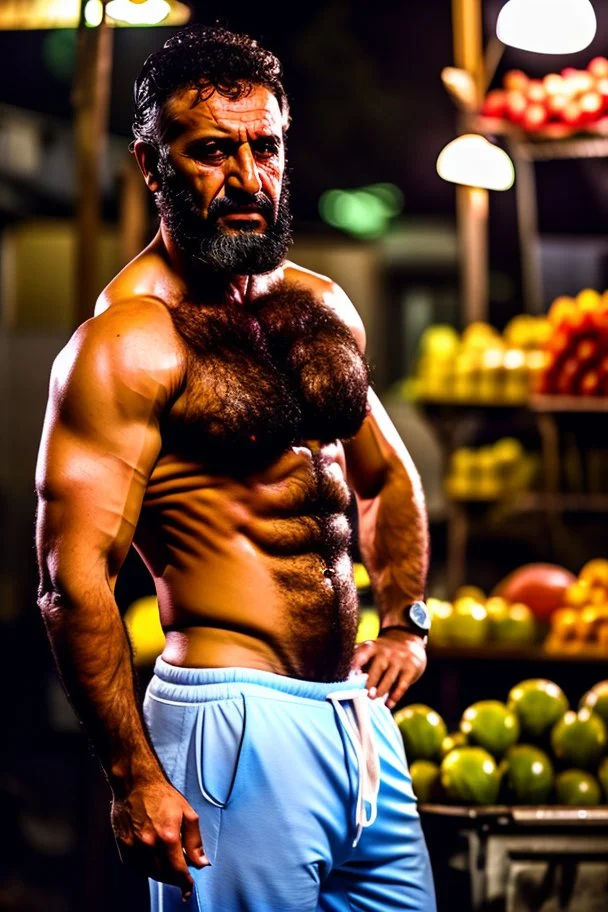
90, 100
472, 203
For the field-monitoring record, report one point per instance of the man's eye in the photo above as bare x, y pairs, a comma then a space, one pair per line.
266, 148
208, 152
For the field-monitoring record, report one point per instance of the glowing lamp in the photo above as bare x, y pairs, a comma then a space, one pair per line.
475, 162
547, 26
138, 12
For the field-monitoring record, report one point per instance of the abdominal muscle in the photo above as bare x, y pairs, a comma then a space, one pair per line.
254, 572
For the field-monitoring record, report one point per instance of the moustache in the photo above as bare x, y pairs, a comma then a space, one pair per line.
258, 202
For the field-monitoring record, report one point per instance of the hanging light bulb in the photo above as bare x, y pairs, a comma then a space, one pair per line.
474, 161
547, 26
138, 12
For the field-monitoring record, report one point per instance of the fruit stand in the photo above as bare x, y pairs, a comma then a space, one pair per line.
518, 859
513, 801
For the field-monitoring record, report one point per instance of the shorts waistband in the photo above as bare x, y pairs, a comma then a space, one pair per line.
192, 685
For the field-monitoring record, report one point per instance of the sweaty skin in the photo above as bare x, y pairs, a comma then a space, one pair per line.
250, 556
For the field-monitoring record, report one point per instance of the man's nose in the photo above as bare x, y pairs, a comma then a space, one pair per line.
243, 171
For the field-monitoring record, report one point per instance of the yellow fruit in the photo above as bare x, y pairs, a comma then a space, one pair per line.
473, 592
597, 595
563, 624
361, 576
561, 308
577, 594
369, 625
588, 300
595, 572
145, 632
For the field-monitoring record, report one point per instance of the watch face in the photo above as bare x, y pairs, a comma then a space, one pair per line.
419, 614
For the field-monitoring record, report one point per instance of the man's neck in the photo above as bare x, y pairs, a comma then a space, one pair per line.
204, 285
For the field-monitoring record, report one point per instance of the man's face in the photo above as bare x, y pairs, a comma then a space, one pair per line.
223, 194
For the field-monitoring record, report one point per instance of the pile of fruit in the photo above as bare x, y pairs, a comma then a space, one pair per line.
581, 624
576, 349
530, 749
559, 105
472, 619
499, 470
481, 364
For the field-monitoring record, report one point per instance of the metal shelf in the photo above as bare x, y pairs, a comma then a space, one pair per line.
556, 141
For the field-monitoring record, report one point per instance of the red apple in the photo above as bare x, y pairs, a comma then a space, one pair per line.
587, 351
589, 384
572, 114
554, 84
515, 79
598, 67
566, 380
601, 86
591, 105
516, 105
495, 103
534, 117
555, 105
568, 71
536, 91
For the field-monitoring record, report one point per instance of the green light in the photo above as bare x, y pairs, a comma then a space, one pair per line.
93, 13
58, 52
365, 212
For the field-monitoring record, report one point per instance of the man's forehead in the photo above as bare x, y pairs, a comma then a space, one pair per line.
257, 111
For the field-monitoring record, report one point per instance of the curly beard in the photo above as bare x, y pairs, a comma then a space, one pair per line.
206, 244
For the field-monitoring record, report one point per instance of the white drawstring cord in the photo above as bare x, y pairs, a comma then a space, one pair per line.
362, 740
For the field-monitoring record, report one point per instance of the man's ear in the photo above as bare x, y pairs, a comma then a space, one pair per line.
147, 159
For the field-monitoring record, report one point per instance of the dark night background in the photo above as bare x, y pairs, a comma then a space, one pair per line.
368, 106
367, 100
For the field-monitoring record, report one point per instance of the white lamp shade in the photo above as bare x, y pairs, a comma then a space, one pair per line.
547, 26
474, 161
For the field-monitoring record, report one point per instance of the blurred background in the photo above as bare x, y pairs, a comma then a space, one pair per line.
458, 295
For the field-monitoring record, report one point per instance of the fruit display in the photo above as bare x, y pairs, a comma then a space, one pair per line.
530, 749
499, 470
580, 622
473, 619
559, 105
480, 364
541, 586
576, 349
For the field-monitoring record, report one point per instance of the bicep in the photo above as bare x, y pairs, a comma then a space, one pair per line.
99, 443
376, 451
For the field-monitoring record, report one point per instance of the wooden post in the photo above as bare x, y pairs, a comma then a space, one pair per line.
133, 212
90, 100
472, 203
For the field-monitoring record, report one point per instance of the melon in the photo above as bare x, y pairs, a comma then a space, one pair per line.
541, 586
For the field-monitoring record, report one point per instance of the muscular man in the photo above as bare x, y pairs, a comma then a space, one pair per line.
216, 413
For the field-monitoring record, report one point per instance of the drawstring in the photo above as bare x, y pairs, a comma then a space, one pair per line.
362, 740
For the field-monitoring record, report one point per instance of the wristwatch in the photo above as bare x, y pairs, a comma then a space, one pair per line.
419, 616
417, 619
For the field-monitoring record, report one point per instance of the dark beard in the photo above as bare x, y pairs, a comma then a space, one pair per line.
205, 243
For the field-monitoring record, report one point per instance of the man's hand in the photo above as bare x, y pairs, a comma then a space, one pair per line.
157, 832
393, 662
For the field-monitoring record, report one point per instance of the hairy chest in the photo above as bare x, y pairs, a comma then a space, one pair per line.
258, 381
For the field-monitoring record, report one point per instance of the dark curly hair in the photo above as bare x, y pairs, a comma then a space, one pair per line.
206, 58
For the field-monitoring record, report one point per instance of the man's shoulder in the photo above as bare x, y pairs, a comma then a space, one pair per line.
331, 294
131, 340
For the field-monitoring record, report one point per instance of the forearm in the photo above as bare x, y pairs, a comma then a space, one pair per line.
93, 657
394, 539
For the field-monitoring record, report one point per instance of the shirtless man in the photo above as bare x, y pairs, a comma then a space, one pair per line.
216, 413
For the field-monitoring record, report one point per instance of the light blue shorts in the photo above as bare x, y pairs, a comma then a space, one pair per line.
302, 789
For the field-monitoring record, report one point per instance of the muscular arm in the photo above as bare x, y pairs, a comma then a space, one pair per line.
99, 444
393, 534
394, 543
393, 527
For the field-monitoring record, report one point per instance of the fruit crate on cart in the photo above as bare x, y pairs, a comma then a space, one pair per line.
518, 858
